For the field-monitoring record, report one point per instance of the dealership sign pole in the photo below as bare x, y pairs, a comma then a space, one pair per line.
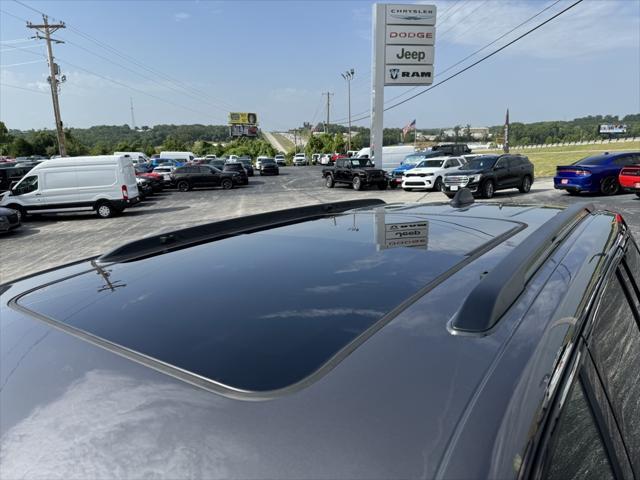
403, 54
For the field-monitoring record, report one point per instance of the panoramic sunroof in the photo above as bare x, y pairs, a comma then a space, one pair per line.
262, 312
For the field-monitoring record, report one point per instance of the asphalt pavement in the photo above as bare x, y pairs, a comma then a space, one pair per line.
49, 240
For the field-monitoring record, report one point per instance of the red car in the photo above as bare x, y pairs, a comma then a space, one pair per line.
629, 179
157, 181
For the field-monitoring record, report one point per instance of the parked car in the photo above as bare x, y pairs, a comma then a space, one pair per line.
326, 159
240, 170
156, 179
280, 160
269, 167
246, 162
630, 179
259, 161
11, 175
413, 341
486, 174
105, 184
594, 174
165, 171
299, 159
315, 158
409, 162
197, 176
219, 163
136, 157
392, 156
9, 219
357, 172
428, 174
181, 157
144, 188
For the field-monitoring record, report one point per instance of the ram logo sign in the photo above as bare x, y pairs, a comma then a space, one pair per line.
409, 75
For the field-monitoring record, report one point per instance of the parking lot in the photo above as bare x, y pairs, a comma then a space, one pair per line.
48, 241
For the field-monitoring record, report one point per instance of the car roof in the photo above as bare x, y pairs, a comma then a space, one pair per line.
358, 351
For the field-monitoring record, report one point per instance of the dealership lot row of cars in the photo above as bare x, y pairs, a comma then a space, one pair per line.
109, 184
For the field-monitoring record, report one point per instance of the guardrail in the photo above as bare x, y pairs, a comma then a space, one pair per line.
565, 144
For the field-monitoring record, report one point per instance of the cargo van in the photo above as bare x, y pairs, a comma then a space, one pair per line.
183, 157
136, 157
392, 157
105, 184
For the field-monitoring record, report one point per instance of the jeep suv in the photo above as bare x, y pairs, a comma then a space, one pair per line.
486, 174
458, 340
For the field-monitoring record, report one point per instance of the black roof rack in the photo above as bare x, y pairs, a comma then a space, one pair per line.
500, 288
191, 236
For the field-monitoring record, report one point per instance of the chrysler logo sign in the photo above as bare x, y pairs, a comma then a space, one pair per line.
414, 14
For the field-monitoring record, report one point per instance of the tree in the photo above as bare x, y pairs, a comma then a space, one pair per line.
44, 142
456, 131
101, 148
20, 148
314, 145
338, 143
467, 133
171, 143
5, 139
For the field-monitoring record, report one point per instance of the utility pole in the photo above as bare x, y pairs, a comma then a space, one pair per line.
54, 70
133, 119
348, 76
326, 125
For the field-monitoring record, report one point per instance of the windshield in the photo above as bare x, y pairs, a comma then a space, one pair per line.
413, 159
430, 164
481, 163
268, 161
361, 162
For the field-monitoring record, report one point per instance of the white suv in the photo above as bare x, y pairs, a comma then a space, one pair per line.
428, 173
299, 159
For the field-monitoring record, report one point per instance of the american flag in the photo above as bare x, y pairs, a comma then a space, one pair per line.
409, 127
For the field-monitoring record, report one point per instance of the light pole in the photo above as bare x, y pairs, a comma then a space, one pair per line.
348, 76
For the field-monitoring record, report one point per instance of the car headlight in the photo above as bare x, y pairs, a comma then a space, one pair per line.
4, 220
475, 178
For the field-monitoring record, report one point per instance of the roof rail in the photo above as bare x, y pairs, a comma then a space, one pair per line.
500, 288
186, 237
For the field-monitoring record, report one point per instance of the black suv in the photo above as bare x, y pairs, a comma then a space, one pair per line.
486, 174
453, 341
238, 168
450, 149
196, 176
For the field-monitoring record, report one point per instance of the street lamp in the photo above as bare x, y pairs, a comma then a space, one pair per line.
348, 76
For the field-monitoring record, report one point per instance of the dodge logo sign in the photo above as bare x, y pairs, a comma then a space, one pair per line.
410, 35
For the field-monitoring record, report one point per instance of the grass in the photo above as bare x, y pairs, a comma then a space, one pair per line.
284, 141
547, 159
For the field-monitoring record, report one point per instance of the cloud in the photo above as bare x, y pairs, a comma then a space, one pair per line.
583, 31
180, 16
289, 95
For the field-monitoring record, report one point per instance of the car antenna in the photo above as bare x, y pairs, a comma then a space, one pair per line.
463, 198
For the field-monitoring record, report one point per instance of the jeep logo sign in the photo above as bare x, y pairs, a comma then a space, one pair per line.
408, 55
408, 75
408, 35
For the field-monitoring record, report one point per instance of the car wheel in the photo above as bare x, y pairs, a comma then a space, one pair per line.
638, 194
525, 187
329, 181
488, 189
226, 184
609, 186
357, 183
437, 186
382, 186
22, 213
393, 185
184, 186
105, 210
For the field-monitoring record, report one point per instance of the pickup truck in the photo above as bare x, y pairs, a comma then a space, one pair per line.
358, 172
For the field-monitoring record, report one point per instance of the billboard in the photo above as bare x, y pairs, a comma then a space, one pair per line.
243, 130
242, 118
611, 129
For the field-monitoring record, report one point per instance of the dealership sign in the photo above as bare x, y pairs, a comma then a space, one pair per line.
242, 118
613, 129
409, 44
399, 235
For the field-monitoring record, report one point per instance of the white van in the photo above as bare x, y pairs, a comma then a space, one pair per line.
136, 157
183, 157
106, 184
391, 156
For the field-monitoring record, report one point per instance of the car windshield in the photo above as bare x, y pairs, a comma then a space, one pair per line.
430, 164
360, 162
413, 159
268, 161
481, 162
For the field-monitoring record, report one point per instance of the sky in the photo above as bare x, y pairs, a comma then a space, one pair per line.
193, 61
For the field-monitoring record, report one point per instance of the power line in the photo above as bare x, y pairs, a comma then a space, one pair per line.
136, 62
18, 64
23, 88
462, 19
486, 57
